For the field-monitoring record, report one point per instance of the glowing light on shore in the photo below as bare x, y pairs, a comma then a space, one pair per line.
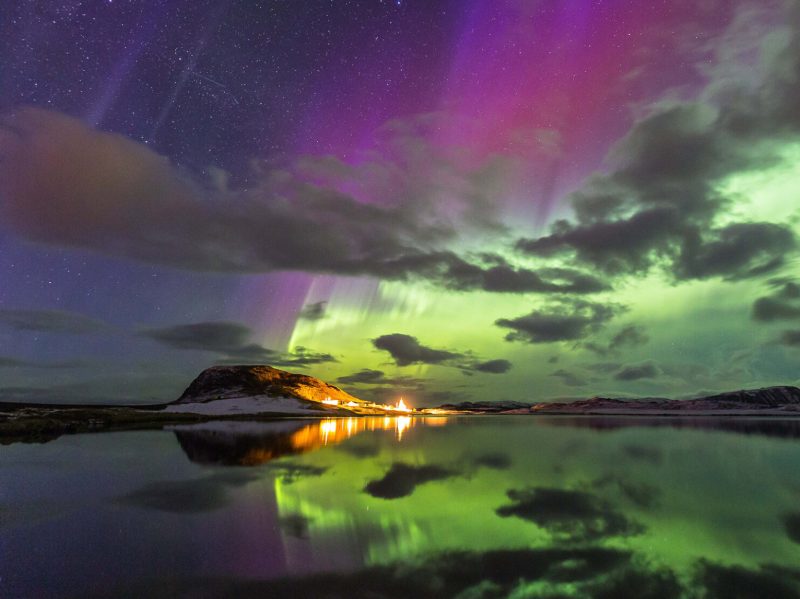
331, 402
403, 423
327, 429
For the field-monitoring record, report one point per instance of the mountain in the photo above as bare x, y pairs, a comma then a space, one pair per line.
767, 400
259, 389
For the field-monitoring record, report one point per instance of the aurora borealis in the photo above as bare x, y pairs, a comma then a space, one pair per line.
473, 200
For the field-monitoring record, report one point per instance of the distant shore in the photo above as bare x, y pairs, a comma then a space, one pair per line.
40, 423
261, 392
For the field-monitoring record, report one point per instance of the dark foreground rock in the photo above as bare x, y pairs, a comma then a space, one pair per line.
32, 423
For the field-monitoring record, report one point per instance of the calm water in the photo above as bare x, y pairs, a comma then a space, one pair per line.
468, 507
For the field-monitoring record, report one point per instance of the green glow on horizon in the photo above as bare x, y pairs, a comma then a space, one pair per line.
707, 322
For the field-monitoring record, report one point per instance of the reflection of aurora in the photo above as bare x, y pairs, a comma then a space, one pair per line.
634, 490
254, 443
566, 509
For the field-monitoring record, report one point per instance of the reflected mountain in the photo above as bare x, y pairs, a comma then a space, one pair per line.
235, 443
769, 427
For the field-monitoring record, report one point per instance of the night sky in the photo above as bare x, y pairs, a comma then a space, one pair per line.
464, 200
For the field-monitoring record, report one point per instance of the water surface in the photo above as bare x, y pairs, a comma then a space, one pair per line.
471, 507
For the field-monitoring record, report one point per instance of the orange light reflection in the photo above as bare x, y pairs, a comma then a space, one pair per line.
336, 430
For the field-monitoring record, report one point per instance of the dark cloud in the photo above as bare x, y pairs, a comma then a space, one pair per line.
738, 251
660, 203
414, 202
612, 246
573, 516
290, 472
187, 496
503, 277
791, 523
368, 376
567, 320
603, 367
56, 170
222, 337
630, 336
402, 479
406, 350
784, 304
653, 455
302, 356
315, 311
494, 461
693, 251
738, 581
295, 525
639, 494
50, 321
569, 378
231, 341
360, 449
179, 496
790, 290
634, 372
790, 338
493, 366
767, 309
638, 581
